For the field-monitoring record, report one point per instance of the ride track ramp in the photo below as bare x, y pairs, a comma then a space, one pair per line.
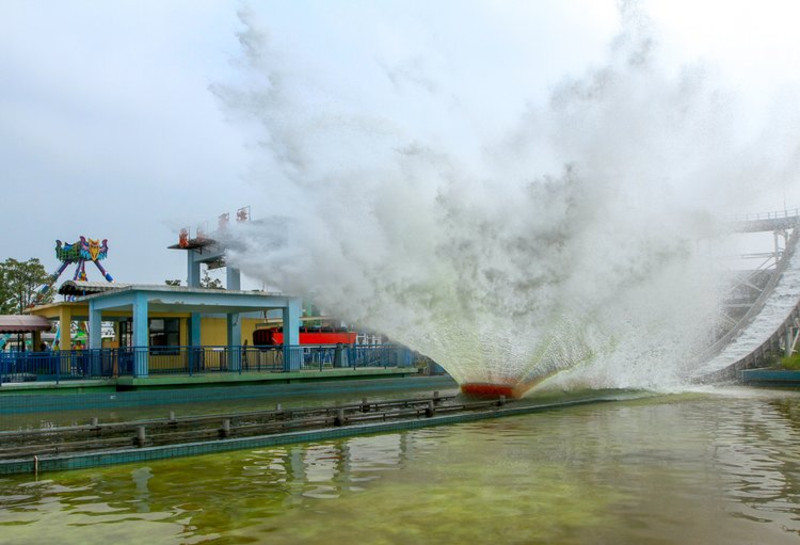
767, 324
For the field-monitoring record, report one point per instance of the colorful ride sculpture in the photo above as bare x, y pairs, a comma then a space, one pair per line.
77, 253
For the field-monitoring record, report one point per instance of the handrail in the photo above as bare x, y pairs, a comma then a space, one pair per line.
159, 360
777, 214
751, 358
766, 221
759, 303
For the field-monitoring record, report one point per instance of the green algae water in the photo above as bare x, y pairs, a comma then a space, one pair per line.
705, 468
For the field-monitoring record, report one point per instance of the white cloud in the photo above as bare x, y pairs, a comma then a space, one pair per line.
107, 127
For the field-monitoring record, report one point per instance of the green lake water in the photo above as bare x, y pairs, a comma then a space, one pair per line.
714, 467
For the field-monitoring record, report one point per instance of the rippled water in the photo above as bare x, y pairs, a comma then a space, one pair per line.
720, 467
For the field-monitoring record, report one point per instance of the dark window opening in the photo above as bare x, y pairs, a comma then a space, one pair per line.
163, 332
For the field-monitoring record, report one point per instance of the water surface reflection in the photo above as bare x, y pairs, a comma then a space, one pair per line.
702, 468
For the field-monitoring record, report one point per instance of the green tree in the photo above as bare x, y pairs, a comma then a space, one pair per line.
208, 282
175, 282
19, 285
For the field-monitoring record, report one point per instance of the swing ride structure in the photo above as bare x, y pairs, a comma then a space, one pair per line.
77, 253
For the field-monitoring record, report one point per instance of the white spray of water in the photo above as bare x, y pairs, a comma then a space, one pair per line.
568, 242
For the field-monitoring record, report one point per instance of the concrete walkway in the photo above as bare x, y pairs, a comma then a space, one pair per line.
207, 379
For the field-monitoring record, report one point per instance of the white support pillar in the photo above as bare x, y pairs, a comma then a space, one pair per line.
777, 248
793, 332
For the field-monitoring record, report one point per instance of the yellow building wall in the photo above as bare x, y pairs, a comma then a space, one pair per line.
248, 326
183, 332
213, 331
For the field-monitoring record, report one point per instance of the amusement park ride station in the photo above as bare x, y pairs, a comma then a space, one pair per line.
176, 335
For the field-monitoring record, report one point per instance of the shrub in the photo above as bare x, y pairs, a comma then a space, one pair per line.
791, 362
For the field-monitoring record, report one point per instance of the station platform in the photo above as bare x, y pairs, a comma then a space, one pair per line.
780, 378
180, 380
38, 397
216, 379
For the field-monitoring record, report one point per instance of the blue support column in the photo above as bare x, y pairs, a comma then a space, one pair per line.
341, 356
95, 340
193, 270
194, 329
95, 317
195, 350
234, 327
402, 356
292, 353
233, 281
141, 336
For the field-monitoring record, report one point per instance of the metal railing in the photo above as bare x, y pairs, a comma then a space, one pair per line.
48, 366
164, 360
766, 221
352, 356
772, 215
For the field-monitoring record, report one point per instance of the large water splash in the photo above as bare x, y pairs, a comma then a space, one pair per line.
564, 241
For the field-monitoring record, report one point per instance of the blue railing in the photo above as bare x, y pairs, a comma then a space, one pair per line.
55, 365
163, 360
773, 215
353, 356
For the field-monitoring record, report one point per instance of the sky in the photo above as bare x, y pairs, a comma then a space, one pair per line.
114, 122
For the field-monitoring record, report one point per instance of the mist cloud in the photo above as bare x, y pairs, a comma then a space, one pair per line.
565, 238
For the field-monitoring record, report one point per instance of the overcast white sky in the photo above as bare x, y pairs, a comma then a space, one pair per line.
108, 128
